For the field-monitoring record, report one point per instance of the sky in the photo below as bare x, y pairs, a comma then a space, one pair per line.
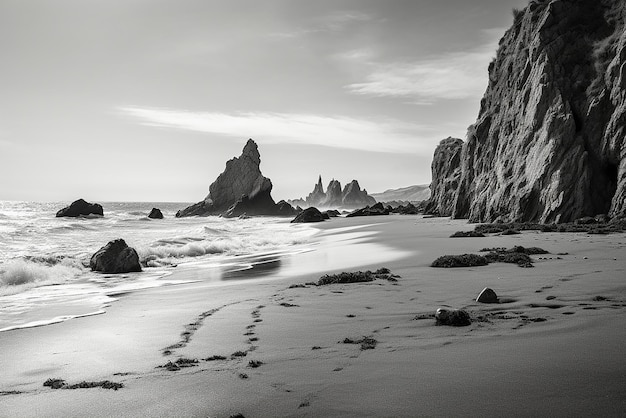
146, 100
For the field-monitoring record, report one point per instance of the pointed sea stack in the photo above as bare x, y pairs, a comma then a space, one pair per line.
240, 189
353, 196
549, 144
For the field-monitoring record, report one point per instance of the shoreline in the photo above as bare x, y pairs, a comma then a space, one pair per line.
568, 364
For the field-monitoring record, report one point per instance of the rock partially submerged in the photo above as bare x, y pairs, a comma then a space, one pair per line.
452, 317
155, 214
240, 189
309, 215
80, 208
115, 257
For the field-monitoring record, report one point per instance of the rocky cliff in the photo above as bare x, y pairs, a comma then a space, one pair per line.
240, 189
549, 142
350, 197
446, 172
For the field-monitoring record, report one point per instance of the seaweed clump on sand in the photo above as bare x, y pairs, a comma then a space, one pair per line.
367, 343
61, 384
357, 277
179, 364
467, 234
462, 260
589, 225
517, 255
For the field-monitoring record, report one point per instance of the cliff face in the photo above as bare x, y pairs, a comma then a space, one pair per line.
549, 142
446, 172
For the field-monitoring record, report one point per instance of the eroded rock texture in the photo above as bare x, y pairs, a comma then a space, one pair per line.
446, 172
350, 197
548, 145
240, 189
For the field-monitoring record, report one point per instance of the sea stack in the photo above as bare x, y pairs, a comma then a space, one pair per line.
350, 198
240, 189
549, 144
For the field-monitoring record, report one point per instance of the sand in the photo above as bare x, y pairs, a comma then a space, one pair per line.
555, 348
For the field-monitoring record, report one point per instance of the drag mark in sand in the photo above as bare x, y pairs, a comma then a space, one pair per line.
192, 327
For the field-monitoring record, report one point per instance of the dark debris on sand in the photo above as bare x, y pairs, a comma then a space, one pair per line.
467, 234
517, 255
463, 260
61, 384
367, 343
589, 225
179, 364
382, 273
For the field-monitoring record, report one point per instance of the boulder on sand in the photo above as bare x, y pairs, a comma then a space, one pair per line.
155, 214
452, 317
487, 296
81, 208
115, 257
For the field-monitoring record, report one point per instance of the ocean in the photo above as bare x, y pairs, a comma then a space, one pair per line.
44, 260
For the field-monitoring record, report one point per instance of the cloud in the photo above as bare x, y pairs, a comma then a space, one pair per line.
456, 75
335, 22
388, 135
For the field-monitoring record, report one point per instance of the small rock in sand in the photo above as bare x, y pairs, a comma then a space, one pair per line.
487, 296
452, 317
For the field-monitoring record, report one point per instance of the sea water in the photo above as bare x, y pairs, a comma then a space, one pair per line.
44, 260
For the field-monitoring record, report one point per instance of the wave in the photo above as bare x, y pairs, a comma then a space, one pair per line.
21, 274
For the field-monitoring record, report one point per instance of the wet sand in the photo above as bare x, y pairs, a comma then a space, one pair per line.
555, 348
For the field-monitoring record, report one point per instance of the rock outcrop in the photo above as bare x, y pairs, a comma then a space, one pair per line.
375, 210
115, 257
446, 172
549, 144
311, 214
80, 208
240, 189
155, 214
334, 196
351, 197
317, 195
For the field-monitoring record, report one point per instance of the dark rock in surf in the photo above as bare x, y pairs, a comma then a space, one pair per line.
80, 208
115, 257
155, 214
310, 215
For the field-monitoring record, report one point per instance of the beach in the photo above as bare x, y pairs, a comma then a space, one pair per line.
553, 346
